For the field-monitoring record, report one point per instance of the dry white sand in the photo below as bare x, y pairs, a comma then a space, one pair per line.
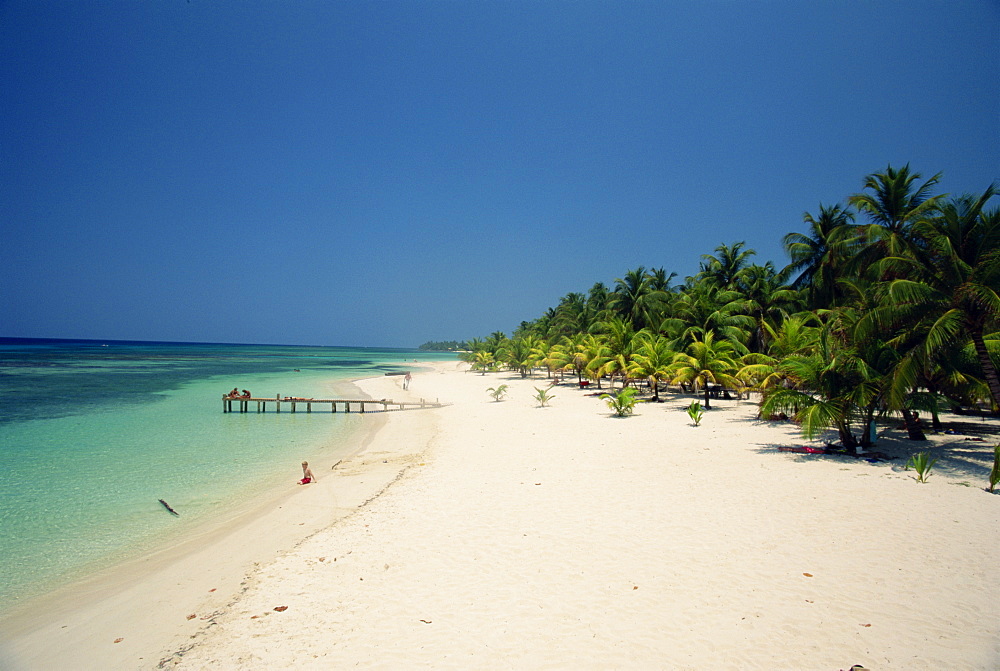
512, 536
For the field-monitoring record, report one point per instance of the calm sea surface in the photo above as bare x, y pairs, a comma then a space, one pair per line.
92, 433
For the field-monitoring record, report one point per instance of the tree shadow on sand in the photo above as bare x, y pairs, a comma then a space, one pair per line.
967, 453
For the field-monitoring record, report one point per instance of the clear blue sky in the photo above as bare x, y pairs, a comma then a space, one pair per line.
386, 173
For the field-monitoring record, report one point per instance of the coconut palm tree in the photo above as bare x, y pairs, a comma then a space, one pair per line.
651, 360
519, 354
769, 299
835, 384
483, 360
724, 269
618, 345
948, 288
546, 354
707, 308
820, 256
636, 299
570, 315
893, 203
707, 361
795, 335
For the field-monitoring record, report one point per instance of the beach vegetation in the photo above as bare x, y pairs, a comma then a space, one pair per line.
619, 342
623, 402
483, 361
695, 412
638, 297
707, 362
520, 354
889, 305
820, 256
497, 392
543, 396
994, 476
922, 463
652, 360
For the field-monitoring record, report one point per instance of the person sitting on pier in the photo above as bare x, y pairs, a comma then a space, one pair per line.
235, 393
246, 394
307, 474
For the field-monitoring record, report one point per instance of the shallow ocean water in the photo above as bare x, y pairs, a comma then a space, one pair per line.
91, 436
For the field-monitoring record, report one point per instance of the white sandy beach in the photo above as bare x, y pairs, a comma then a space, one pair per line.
503, 535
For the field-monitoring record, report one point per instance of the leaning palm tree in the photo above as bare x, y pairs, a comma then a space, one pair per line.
707, 361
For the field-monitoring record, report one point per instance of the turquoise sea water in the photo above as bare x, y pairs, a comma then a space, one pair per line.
92, 434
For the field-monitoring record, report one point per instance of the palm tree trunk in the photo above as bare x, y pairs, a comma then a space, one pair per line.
708, 405
847, 439
866, 438
989, 370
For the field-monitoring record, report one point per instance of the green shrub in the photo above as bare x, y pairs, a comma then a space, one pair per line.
543, 396
922, 463
497, 392
695, 412
995, 473
622, 403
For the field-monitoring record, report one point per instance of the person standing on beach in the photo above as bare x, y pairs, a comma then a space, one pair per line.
307, 474
406, 380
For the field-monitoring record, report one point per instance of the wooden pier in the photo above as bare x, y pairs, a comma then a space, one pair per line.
240, 404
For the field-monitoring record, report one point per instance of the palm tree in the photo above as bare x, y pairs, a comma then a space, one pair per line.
659, 280
707, 362
597, 304
707, 308
950, 292
724, 269
636, 299
894, 203
797, 334
519, 354
495, 342
483, 361
651, 360
548, 355
835, 384
769, 299
819, 257
571, 314
618, 344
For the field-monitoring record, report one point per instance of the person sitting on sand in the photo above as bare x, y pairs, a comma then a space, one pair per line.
307, 474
